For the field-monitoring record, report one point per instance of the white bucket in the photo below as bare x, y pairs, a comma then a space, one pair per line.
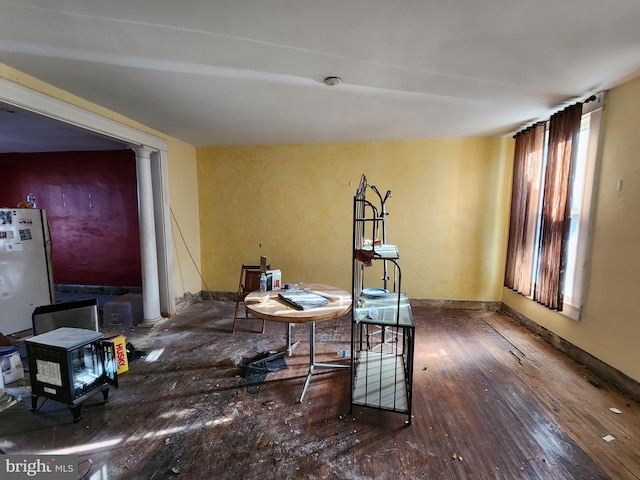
6, 400
12, 369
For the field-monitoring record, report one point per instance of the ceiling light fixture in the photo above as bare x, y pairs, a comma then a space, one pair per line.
333, 81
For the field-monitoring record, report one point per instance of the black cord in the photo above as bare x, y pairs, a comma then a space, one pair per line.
186, 246
88, 470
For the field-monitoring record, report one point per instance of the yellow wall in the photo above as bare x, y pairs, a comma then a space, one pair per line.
183, 196
185, 217
294, 204
610, 324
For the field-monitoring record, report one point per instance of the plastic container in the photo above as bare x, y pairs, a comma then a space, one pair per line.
124, 311
12, 369
263, 282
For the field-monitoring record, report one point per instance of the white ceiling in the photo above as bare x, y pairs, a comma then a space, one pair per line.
214, 72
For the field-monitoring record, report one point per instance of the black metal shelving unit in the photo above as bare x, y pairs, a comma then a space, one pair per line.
382, 326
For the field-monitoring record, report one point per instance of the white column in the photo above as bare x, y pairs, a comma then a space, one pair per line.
148, 251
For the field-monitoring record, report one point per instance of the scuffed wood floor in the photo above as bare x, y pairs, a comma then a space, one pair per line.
491, 400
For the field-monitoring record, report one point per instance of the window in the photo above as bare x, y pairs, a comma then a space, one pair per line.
581, 199
550, 207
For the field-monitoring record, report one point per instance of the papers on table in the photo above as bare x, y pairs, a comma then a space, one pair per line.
303, 300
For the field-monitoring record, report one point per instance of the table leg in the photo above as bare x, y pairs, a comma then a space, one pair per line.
312, 360
290, 348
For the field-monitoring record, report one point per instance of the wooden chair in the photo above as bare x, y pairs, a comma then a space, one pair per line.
249, 281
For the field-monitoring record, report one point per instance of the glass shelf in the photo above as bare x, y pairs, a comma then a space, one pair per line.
382, 252
377, 379
387, 310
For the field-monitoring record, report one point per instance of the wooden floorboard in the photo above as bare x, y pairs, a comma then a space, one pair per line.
579, 401
490, 401
491, 409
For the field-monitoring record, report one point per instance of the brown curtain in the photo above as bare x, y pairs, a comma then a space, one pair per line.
525, 197
564, 128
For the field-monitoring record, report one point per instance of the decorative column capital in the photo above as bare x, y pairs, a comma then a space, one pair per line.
142, 151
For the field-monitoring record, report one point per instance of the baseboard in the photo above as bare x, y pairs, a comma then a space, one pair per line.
220, 296
484, 306
185, 301
613, 376
95, 289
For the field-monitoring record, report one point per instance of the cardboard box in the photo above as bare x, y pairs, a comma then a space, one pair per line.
274, 280
120, 344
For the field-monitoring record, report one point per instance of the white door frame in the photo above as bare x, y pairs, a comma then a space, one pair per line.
36, 102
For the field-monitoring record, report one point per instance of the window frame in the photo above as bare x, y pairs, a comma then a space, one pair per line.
574, 301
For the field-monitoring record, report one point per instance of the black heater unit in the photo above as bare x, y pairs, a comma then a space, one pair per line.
75, 314
69, 365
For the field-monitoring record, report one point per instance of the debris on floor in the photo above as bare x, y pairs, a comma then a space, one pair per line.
258, 368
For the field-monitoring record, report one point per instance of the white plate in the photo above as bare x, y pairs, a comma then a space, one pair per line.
375, 292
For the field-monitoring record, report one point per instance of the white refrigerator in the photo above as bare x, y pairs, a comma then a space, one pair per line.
26, 276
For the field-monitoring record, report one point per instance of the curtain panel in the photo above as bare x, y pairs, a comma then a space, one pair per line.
564, 128
525, 199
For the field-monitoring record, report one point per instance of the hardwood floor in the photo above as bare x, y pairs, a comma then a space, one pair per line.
491, 400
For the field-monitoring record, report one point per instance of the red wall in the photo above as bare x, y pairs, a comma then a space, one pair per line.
92, 207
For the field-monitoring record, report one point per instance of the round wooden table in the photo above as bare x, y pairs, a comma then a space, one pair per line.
278, 310
275, 309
